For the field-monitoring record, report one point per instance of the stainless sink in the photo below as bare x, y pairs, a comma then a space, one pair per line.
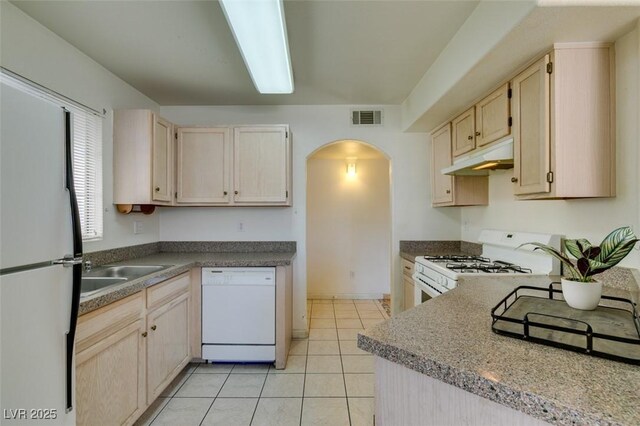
92, 285
107, 276
128, 272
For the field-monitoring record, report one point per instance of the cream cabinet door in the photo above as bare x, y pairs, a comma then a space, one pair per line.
261, 165
441, 185
531, 135
167, 344
409, 292
162, 160
203, 166
463, 139
492, 117
110, 379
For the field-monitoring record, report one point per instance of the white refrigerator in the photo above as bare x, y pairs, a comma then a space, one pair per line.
40, 259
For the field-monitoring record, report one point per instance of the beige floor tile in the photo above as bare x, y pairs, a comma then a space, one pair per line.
324, 364
323, 347
323, 323
350, 347
325, 411
359, 384
175, 384
322, 315
342, 301
243, 386
323, 385
202, 385
349, 333
323, 307
298, 347
370, 322
283, 386
357, 363
344, 307
364, 302
150, 414
348, 323
367, 308
347, 315
323, 334
295, 364
231, 412
361, 411
322, 301
214, 368
183, 412
370, 315
277, 411
250, 368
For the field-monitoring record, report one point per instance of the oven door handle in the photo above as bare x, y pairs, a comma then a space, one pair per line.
435, 290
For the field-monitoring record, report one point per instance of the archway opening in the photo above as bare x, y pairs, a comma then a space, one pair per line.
348, 240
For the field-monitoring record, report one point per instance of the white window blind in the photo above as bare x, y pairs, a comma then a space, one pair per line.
87, 172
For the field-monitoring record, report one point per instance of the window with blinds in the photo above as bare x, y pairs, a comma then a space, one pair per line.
87, 172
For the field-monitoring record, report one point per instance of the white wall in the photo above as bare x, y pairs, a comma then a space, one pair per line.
31, 50
348, 229
591, 219
313, 127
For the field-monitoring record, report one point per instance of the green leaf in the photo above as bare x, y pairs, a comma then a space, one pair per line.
572, 247
617, 240
555, 253
583, 245
620, 253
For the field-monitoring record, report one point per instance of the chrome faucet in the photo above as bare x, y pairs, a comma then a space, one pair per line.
87, 266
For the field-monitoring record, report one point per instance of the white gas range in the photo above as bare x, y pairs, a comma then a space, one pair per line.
435, 275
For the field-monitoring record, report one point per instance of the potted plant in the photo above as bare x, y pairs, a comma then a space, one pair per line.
579, 289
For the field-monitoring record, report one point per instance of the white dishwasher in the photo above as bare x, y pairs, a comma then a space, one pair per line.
239, 314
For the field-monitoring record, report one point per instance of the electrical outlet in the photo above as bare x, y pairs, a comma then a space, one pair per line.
137, 227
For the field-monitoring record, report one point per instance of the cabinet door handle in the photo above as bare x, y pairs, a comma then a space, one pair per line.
224, 193
514, 179
469, 137
448, 191
406, 267
477, 133
235, 192
144, 334
157, 189
153, 327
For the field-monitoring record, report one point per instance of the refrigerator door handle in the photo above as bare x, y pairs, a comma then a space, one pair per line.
75, 260
68, 261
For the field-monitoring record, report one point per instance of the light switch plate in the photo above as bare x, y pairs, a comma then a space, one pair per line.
137, 227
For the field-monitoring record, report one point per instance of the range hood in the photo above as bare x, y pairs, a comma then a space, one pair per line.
498, 156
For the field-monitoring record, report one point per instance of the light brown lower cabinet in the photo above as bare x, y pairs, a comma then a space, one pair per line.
409, 291
167, 344
129, 351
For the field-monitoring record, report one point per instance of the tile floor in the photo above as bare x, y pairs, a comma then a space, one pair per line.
327, 381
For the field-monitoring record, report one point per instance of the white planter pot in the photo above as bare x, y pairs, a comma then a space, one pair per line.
579, 295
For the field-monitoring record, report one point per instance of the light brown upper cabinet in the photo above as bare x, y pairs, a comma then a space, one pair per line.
464, 133
492, 117
453, 190
261, 165
564, 124
204, 165
142, 158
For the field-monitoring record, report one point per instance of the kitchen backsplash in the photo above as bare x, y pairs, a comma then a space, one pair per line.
421, 246
133, 252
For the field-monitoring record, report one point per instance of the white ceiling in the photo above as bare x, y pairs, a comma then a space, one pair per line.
183, 53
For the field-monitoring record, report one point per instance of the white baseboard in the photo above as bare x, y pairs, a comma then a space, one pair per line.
299, 334
345, 296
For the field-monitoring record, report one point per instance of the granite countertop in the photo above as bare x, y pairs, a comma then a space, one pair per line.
181, 262
554, 385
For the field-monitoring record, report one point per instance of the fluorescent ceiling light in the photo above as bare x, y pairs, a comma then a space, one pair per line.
260, 31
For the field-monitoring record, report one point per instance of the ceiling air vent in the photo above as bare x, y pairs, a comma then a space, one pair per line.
370, 118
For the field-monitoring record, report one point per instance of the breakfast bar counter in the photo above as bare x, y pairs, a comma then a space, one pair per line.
449, 339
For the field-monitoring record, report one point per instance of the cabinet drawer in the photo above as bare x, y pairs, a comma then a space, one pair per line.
161, 293
407, 267
105, 321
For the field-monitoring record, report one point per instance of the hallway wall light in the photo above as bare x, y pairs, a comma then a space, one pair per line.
351, 167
